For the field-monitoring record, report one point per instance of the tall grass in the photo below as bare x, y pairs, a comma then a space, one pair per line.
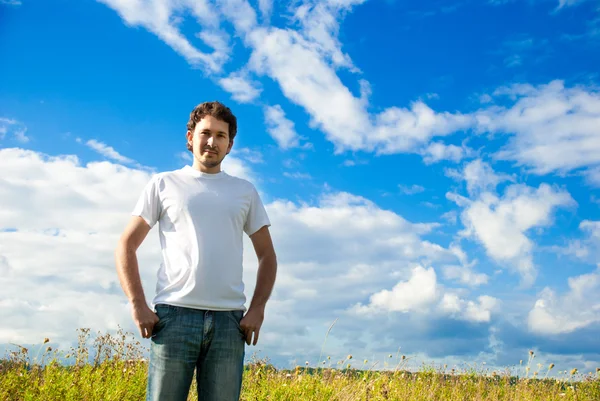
113, 368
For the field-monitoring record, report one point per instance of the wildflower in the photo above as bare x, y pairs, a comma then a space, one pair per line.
551, 366
403, 357
349, 357
597, 370
390, 355
366, 361
306, 363
49, 349
46, 340
573, 371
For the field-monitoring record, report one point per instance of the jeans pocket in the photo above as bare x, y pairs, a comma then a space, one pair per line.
236, 316
164, 313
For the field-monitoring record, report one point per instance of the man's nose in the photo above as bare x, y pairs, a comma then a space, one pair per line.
210, 141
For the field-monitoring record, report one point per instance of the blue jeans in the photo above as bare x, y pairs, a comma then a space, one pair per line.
185, 339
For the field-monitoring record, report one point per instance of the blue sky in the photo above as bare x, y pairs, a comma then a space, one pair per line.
431, 168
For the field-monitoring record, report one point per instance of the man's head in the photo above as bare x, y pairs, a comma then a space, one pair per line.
210, 133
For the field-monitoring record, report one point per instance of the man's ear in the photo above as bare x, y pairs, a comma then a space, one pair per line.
230, 146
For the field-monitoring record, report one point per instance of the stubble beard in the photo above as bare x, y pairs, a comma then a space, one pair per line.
209, 163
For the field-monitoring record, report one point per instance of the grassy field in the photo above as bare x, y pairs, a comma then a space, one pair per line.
112, 368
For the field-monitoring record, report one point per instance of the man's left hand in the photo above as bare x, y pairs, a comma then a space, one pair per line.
251, 323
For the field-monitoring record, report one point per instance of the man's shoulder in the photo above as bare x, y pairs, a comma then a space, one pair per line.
240, 182
165, 176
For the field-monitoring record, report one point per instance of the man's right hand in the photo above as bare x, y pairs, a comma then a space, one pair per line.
144, 318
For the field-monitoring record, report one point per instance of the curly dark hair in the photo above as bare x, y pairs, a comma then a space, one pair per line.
217, 110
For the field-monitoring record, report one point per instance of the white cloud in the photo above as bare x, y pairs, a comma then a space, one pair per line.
11, 2
400, 130
107, 151
561, 3
240, 87
249, 155
185, 157
240, 13
480, 177
554, 128
307, 80
422, 293
13, 127
593, 176
20, 135
280, 128
266, 8
480, 311
161, 17
418, 292
438, 151
237, 168
464, 272
411, 190
592, 228
320, 28
297, 176
90, 206
587, 248
501, 224
303, 61
566, 3
579, 307
450, 217
465, 275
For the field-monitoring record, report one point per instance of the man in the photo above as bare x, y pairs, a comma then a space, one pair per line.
199, 323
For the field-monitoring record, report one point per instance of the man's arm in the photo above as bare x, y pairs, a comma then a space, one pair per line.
265, 280
129, 275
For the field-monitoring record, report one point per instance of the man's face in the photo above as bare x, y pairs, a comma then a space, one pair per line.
210, 143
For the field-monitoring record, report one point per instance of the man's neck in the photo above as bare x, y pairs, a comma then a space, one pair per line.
207, 170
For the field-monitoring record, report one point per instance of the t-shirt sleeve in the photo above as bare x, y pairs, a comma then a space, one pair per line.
148, 205
257, 215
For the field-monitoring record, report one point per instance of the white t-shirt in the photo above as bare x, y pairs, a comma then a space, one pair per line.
202, 218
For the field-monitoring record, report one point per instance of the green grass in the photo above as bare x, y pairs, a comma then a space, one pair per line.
115, 370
